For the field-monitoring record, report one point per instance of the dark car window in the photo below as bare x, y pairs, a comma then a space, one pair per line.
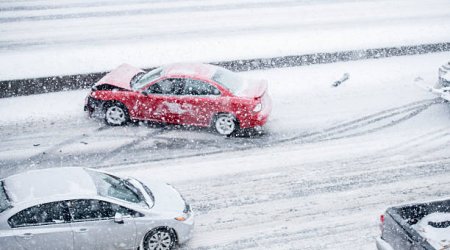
81, 210
4, 199
170, 86
196, 87
43, 214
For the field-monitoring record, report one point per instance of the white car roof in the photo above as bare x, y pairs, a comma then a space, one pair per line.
45, 183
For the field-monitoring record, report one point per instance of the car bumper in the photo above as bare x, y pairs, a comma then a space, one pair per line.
252, 120
185, 229
92, 105
383, 245
255, 119
260, 119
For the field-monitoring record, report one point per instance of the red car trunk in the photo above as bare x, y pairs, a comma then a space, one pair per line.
253, 89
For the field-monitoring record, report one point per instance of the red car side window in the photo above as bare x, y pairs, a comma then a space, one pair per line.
170, 86
196, 87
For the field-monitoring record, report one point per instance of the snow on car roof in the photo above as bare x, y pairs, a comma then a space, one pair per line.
45, 183
190, 69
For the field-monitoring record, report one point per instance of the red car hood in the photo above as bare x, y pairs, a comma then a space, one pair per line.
120, 77
253, 88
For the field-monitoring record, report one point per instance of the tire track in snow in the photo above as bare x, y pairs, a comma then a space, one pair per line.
410, 113
288, 240
442, 134
50, 157
372, 188
19, 6
411, 110
152, 10
361, 126
175, 33
106, 159
290, 185
169, 148
37, 158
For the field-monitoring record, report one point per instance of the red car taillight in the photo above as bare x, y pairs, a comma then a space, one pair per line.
381, 222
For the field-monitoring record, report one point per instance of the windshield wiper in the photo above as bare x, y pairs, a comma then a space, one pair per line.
135, 190
136, 78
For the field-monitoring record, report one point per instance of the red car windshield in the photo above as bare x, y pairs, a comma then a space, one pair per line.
228, 79
144, 79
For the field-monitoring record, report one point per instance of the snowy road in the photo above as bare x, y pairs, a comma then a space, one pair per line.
331, 161
39, 38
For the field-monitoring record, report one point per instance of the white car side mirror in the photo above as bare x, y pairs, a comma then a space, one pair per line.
118, 218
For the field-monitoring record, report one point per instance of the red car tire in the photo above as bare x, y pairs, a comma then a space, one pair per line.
116, 113
225, 124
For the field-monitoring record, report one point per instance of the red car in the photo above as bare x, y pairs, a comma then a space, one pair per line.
186, 94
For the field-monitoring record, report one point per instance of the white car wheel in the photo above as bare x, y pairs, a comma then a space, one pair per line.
116, 115
225, 124
160, 239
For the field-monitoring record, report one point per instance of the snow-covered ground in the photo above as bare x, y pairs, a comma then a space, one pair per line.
331, 161
48, 38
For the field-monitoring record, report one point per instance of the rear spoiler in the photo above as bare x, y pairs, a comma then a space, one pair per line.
254, 89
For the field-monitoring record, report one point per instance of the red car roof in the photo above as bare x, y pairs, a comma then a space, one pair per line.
190, 69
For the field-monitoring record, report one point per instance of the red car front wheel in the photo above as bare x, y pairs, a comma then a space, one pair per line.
116, 114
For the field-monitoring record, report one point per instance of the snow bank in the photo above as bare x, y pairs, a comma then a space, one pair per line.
51, 106
82, 38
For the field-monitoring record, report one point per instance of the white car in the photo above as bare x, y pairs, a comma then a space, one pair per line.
444, 76
442, 87
81, 208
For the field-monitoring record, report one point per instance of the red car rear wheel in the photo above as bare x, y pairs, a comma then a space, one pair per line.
225, 124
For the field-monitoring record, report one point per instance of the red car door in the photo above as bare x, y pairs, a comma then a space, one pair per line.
203, 101
161, 101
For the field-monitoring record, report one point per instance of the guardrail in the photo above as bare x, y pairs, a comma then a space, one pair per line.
72, 82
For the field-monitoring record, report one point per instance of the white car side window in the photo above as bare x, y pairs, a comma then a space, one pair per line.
91, 209
42, 214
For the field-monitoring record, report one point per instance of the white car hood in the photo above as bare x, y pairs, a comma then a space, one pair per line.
166, 198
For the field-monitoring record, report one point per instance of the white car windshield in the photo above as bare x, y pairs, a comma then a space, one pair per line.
4, 201
115, 187
141, 80
229, 80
